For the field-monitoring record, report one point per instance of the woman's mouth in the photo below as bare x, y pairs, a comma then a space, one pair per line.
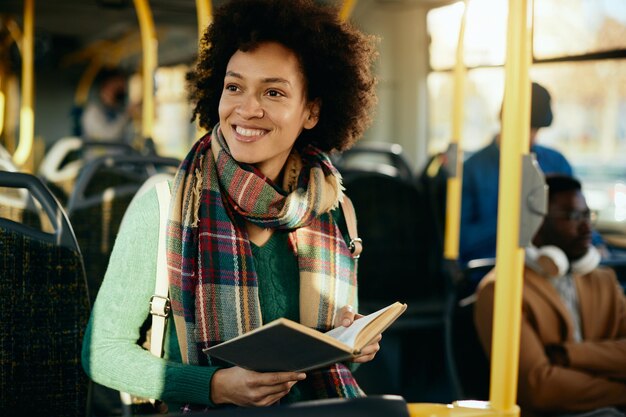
246, 134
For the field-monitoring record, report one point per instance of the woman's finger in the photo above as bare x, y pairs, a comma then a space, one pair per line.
369, 352
345, 317
278, 378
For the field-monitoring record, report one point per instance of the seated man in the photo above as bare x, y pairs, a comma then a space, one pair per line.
573, 331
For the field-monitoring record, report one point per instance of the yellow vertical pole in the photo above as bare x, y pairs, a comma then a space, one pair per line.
205, 12
4, 71
149, 46
453, 190
346, 9
205, 16
8, 128
509, 255
11, 91
2, 100
27, 114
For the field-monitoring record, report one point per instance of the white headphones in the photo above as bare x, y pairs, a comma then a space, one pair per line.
550, 261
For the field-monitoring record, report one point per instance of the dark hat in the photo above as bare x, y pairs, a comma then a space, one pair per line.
540, 110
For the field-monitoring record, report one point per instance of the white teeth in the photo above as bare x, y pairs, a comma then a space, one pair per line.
249, 132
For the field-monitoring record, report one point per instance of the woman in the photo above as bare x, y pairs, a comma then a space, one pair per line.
256, 231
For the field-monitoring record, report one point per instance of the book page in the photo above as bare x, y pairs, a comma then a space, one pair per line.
348, 335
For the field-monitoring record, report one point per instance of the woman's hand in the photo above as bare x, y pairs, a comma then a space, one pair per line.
345, 318
251, 389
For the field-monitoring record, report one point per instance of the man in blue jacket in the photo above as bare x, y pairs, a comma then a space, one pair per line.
479, 206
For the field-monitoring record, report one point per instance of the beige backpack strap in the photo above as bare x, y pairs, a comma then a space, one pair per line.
160, 302
356, 244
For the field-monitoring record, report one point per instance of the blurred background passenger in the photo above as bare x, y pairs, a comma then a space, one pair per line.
108, 116
573, 332
479, 207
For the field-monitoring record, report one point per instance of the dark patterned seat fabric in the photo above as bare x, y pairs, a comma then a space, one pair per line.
43, 314
96, 227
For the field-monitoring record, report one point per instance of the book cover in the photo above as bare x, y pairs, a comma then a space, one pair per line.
284, 345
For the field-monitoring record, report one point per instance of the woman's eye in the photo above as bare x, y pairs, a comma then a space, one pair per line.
274, 93
231, 87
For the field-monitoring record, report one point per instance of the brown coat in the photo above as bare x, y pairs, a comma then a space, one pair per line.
596, 375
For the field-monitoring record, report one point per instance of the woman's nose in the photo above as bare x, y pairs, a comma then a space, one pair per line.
250, 107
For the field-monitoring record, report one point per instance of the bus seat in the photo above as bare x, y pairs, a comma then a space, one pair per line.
17, 204
62, 163
13, 201
382, 157
471, 361
95, 148
45, 308
432, 183
76, 113
102, 193
395, 266
390, 267
60, 166
371, 406
5, 155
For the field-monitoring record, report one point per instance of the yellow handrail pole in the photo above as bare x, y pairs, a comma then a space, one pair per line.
346, 9
204, 11
100, 53
15, 35
27, 114
455, 182
149, 45
124, 48
509, 255
10, 91
3, 76
2, 100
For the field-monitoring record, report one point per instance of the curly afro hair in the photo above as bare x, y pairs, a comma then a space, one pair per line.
335, 58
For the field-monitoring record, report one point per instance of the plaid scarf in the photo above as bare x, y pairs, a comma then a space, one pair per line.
213, 284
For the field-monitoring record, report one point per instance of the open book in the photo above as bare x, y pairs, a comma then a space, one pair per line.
284, 345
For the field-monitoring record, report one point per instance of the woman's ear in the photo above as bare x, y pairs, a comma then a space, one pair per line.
314, 114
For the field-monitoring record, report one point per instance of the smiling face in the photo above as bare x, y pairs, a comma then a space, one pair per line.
263, 107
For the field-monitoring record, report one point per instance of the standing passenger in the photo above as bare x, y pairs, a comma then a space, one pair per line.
479, 208
255, 230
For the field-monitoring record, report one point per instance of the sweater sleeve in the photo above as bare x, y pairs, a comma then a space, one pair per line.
110, 353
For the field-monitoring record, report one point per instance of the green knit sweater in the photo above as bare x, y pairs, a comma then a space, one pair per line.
111, 356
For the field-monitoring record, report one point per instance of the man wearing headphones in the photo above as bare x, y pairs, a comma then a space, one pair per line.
573, 333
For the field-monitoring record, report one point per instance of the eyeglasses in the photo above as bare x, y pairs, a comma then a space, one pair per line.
575, 215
